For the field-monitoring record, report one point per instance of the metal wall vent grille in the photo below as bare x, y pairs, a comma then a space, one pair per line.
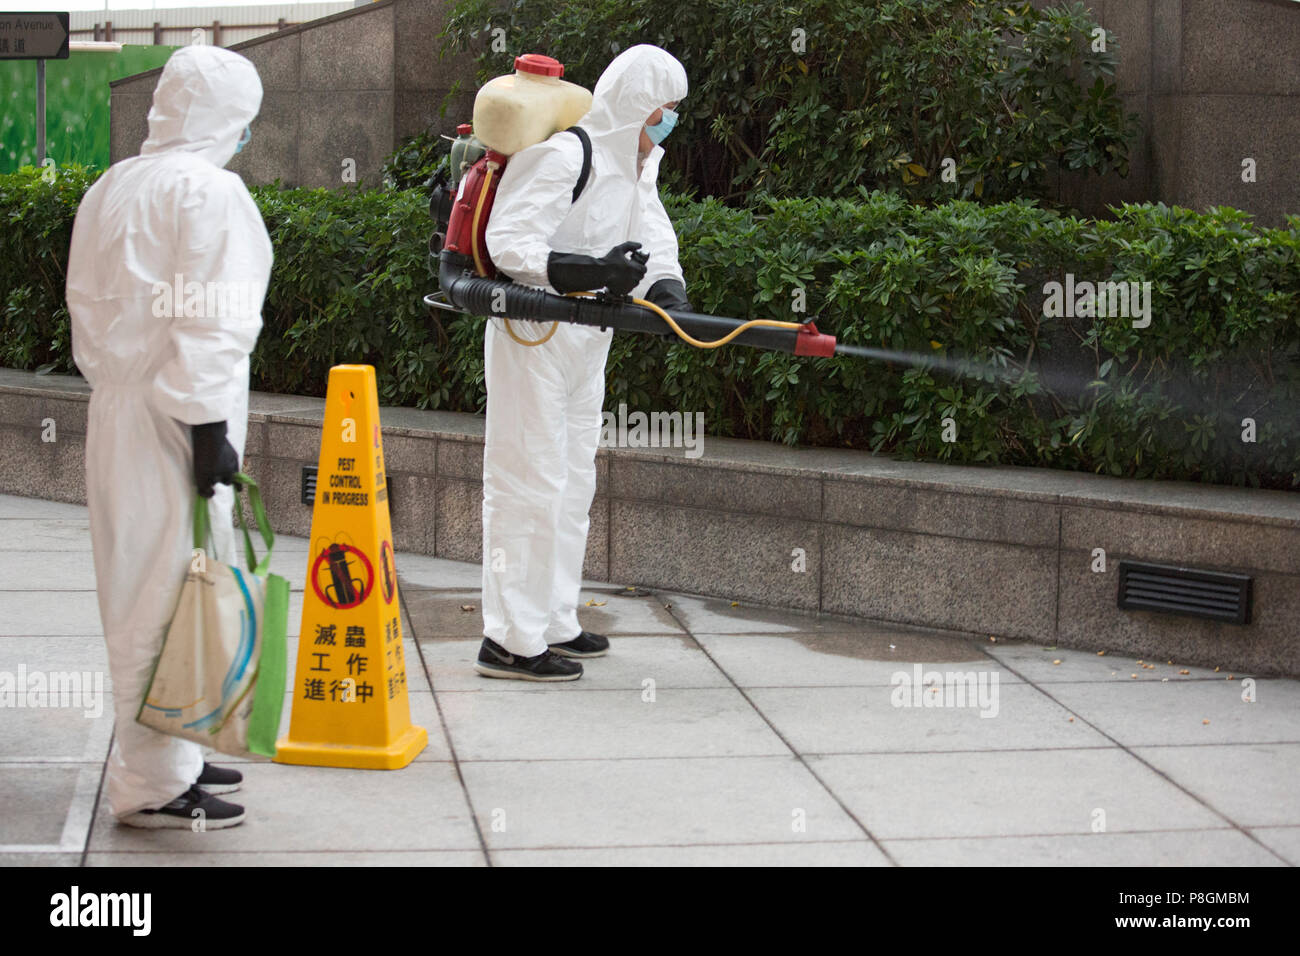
1215, 595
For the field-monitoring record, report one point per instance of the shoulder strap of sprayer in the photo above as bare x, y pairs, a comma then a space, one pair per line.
586, 159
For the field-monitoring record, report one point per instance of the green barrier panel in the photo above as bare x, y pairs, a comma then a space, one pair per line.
76, 105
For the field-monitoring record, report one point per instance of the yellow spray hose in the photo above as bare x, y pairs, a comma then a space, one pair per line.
682, 334
478, 259
689, 340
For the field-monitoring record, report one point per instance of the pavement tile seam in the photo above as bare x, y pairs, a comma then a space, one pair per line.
81, 521
853, 753
844, 808
451, 744
181, 851
971, 750
1275, 852
576, 689
570, 687
879, 684
1062, 833
1004, 750
79, 820
1126, 680
552, 847
679, 846
17, 849
99, 795
452, 637
1221, 743
81, 811
426, 589
1250, 835
650, 758
1130, 751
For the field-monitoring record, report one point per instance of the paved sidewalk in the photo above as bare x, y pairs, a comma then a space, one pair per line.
711, 734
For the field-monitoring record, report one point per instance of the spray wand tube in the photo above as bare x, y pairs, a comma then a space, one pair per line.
465, 292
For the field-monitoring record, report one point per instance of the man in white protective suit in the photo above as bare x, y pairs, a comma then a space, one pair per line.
168, 267
544, 403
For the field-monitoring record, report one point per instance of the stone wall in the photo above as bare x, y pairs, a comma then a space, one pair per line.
344, 87
1214, 82
988, 551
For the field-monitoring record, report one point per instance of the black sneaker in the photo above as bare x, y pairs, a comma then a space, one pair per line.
495, 661
219, 779
585, 644
192, 810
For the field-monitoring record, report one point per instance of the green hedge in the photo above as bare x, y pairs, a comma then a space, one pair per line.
820, 97
958, 279
35, 232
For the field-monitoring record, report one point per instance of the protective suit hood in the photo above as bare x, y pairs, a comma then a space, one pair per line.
636, 83
204, 99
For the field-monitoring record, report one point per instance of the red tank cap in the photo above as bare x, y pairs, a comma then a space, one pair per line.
539, 64
464, 129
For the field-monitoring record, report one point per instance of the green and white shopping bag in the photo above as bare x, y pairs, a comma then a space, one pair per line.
220, 679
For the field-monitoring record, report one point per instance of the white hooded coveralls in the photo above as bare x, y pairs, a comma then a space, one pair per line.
544, 403
160, 359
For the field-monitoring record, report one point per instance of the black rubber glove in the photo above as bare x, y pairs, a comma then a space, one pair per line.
669, 294
616, 271
215, 460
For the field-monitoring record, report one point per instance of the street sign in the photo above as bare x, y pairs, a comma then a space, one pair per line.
33, 36
39, 37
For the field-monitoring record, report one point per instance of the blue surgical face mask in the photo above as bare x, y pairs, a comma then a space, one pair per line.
660, 130
243, 140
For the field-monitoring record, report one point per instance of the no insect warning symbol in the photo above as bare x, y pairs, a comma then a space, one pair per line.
343, 576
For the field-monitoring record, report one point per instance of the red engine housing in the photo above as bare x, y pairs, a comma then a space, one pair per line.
460, 226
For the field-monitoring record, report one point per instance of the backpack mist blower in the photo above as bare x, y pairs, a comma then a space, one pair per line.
510, 113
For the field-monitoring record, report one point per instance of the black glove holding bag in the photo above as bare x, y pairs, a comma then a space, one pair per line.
215, 460
616, 271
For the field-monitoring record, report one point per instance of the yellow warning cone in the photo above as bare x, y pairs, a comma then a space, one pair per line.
350, 707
